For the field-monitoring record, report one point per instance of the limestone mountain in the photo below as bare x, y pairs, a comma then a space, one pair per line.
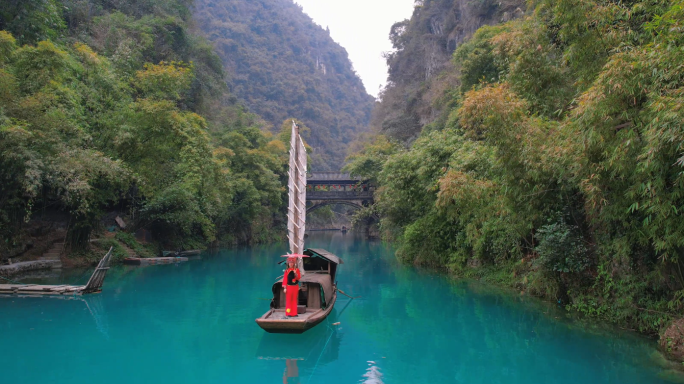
420, 67
281, 64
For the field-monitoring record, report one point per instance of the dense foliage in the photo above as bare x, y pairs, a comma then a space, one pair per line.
555, 161
116, 105
282, 64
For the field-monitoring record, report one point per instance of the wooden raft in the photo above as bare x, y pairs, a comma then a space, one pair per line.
192, 252
93, 285
154, 260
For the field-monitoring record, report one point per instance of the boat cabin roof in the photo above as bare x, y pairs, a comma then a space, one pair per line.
322, 253
320, 260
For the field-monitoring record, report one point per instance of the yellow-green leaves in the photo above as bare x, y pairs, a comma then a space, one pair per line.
164, 80
489, 113
369, 160
87, 54
8, 87
37, 66
7, 46
670, 25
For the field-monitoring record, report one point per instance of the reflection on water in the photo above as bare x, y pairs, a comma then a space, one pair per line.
96, 310
194, 323
372, 375
303, 353
310, 347
90, 303
291, 375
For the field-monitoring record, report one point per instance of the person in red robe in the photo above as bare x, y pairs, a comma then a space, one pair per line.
291, 286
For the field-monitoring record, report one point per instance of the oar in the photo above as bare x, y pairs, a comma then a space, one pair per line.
351, 297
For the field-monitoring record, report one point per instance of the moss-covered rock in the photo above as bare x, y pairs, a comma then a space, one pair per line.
672, 340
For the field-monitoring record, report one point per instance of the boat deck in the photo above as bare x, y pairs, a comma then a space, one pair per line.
279, 314
274, 320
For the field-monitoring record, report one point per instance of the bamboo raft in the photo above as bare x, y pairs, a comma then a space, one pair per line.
192, 252
154, 260
94, 284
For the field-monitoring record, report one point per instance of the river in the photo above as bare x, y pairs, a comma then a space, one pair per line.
194, 323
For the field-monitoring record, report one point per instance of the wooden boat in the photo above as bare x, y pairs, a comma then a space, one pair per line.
317, 295
318, 291
94, 284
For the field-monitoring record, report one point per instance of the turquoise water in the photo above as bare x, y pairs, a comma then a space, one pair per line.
194, 323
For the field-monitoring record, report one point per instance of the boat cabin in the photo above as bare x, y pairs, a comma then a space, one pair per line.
317, 285
321, 261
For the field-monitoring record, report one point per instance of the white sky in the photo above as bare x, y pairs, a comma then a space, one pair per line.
362, 27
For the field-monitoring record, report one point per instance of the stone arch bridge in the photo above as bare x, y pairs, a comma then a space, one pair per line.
327, 188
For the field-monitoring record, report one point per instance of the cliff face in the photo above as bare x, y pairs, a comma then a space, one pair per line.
282, 65
419, 65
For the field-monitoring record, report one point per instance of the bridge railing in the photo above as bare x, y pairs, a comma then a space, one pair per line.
338, 195
327, 176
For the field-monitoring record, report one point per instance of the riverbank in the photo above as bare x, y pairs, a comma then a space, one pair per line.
526, 279
66, 260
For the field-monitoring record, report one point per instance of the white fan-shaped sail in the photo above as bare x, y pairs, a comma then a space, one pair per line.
296, 214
